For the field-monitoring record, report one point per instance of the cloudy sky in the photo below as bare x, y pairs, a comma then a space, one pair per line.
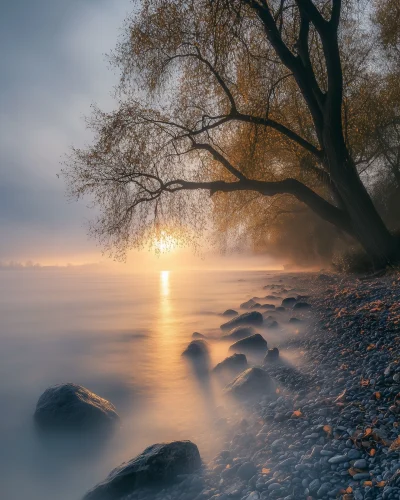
53, 67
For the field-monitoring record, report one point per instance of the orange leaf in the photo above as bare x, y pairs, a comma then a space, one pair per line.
327, 429
381, 484
372, 452
349, 490
377, 395
367, 483
395, 445
297, 413
265, 471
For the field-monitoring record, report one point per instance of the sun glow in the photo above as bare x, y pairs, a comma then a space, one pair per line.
165, 243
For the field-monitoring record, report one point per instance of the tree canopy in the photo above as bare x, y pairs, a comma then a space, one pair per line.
262, 104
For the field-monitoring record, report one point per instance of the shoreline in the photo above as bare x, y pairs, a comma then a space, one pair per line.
331, 432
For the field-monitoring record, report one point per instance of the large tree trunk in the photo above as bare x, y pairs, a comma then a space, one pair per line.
368, 227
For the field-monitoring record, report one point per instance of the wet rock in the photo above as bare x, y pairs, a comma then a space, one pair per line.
158, 465
272, 324
230, 312
272, 355
248, 305
233, 364
280, 309
254, 343
268, 306
197, 335
73, 407
289, 302
196, 349
295, 321
246, 471
302, 305
241, 332
250, 318
250, 384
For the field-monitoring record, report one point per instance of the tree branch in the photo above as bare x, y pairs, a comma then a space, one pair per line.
288, 186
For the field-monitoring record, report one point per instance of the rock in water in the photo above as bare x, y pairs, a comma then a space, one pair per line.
196, 349
302, 305
230, 312
248, 305
73, 407
233, 364
272, 355
255, 343
267, 306
289, 302
197, 335
241, 332
294, 320
250, 318
157, 466
252, 383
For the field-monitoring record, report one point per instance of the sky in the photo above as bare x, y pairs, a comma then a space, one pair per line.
54, 67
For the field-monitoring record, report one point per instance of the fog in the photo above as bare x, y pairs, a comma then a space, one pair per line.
121, 336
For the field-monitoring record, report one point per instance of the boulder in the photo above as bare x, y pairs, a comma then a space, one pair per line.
250, 318
252, 383
280, 309
272, 355
254, 343
294, 321
197, 335
302, 305
241, 332
289, 302
248, 305
267, 306
197, 349
230, 312
270, 297
272, 324
73, 407
233, 364
156, 466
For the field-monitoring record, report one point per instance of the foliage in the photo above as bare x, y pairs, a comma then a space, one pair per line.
236, 96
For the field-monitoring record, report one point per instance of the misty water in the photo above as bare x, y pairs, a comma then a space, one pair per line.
121, 336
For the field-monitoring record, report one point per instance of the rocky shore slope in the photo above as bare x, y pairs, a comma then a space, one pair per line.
332, 428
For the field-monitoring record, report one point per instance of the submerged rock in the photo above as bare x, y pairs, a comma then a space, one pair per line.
267, 306
294, 320
254, 343
156, 466
239, 333
233, 364
197, 335
73, 407
272, 324
272, 355
250, 318
230, 312
196, 349
302, 305
250, 384
248, 305
280, 309
289, 302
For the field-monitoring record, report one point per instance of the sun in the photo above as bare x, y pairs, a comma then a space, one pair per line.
165, 243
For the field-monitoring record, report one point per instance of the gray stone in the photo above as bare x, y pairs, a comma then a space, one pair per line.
250, 318
239, 333
246, 471
233, 364
73, 407
253, 382
158, 465
250, 344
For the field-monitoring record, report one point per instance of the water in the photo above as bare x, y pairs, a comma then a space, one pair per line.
120, 336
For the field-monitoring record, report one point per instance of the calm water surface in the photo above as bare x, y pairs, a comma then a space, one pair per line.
122, 337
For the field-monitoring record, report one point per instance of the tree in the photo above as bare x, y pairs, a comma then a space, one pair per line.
198, 77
